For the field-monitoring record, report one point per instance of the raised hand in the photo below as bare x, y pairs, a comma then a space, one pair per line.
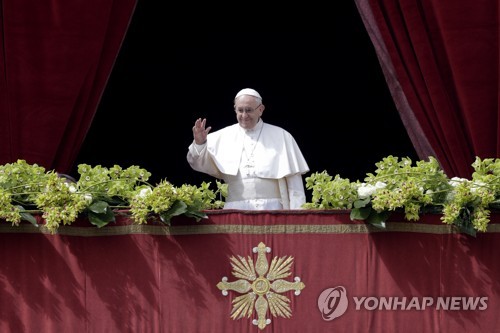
200, 132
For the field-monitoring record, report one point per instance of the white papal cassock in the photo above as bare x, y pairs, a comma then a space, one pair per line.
263, 167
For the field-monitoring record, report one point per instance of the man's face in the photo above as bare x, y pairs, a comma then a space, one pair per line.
248, 111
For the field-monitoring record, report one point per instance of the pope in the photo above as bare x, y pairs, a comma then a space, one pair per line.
261, 163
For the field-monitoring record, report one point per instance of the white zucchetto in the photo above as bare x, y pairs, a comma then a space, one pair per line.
248, 91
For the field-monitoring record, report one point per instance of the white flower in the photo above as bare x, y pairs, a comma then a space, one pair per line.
71, 187
366, 190
88, 197
145, 192
457, 180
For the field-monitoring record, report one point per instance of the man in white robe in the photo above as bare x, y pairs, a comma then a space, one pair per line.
261, 163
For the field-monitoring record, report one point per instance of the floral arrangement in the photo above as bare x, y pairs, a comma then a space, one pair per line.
399, 185
100, 194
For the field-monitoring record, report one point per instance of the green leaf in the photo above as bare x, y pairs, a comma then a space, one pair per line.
468, 229
102, 219
495, 204
196, 215
431, 210
28, 217
464, 222
361, 202
99, 207
360, 213
378, 219
178, 208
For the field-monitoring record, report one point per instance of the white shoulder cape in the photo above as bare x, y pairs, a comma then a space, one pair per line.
276, 153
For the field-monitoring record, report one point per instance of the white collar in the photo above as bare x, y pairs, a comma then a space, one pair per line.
256, 128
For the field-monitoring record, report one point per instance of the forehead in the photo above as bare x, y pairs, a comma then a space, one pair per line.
245, 100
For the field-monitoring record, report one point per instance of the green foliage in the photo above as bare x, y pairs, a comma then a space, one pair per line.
99, 193
414, 189
395, 185
328, 193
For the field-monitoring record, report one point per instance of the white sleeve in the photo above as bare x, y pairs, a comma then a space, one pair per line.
200, 160
296, 192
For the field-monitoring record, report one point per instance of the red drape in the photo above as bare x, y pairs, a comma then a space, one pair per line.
440, 59
154, 278
55, 60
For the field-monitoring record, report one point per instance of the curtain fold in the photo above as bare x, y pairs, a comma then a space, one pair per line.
56, 57
440, 60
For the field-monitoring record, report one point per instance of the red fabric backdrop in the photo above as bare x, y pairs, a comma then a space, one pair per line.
55, 59
128, 278
440, 59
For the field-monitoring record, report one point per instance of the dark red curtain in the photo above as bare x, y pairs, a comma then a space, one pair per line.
440, 60
55, 59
